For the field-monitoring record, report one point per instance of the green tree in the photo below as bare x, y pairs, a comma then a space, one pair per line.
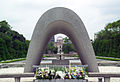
51, 47
4, 26
108, 41
68, 46
3, 50
12, 44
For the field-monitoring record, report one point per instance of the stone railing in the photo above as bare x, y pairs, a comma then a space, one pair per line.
106, 76
20, 75
17, 76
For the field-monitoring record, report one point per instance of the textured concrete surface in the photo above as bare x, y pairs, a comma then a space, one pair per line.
60, 20
60, 62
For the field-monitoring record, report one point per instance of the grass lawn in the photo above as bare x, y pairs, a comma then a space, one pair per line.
105, 58
21, 59
13, 60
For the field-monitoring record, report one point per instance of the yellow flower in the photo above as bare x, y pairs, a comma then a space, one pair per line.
81, 71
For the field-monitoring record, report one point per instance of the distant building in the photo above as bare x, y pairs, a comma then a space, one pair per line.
59, 44
52, 39
95, 36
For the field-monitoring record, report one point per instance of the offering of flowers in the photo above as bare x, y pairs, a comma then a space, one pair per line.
61, 72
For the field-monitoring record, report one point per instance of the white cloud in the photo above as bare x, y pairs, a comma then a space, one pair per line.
23, 14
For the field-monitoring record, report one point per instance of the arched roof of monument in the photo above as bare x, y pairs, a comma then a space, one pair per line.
60, 20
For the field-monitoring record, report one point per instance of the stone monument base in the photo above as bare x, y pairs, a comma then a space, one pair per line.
60, 62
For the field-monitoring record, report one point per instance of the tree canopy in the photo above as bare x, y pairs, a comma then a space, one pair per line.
107, 42
12, 44
68, 46
50, 47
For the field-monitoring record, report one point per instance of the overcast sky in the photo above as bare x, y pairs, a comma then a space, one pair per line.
23, 15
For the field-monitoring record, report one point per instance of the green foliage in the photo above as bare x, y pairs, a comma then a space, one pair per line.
13, 60
2, 49
4, 26
12, 44
51, 47
68, 46
112, 59
107, 42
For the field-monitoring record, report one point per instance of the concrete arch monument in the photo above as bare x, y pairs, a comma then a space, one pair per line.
60, 20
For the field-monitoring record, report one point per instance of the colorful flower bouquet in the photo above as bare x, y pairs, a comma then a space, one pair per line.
61, 72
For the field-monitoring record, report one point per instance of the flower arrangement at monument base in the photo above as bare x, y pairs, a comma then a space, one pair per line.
60, 74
